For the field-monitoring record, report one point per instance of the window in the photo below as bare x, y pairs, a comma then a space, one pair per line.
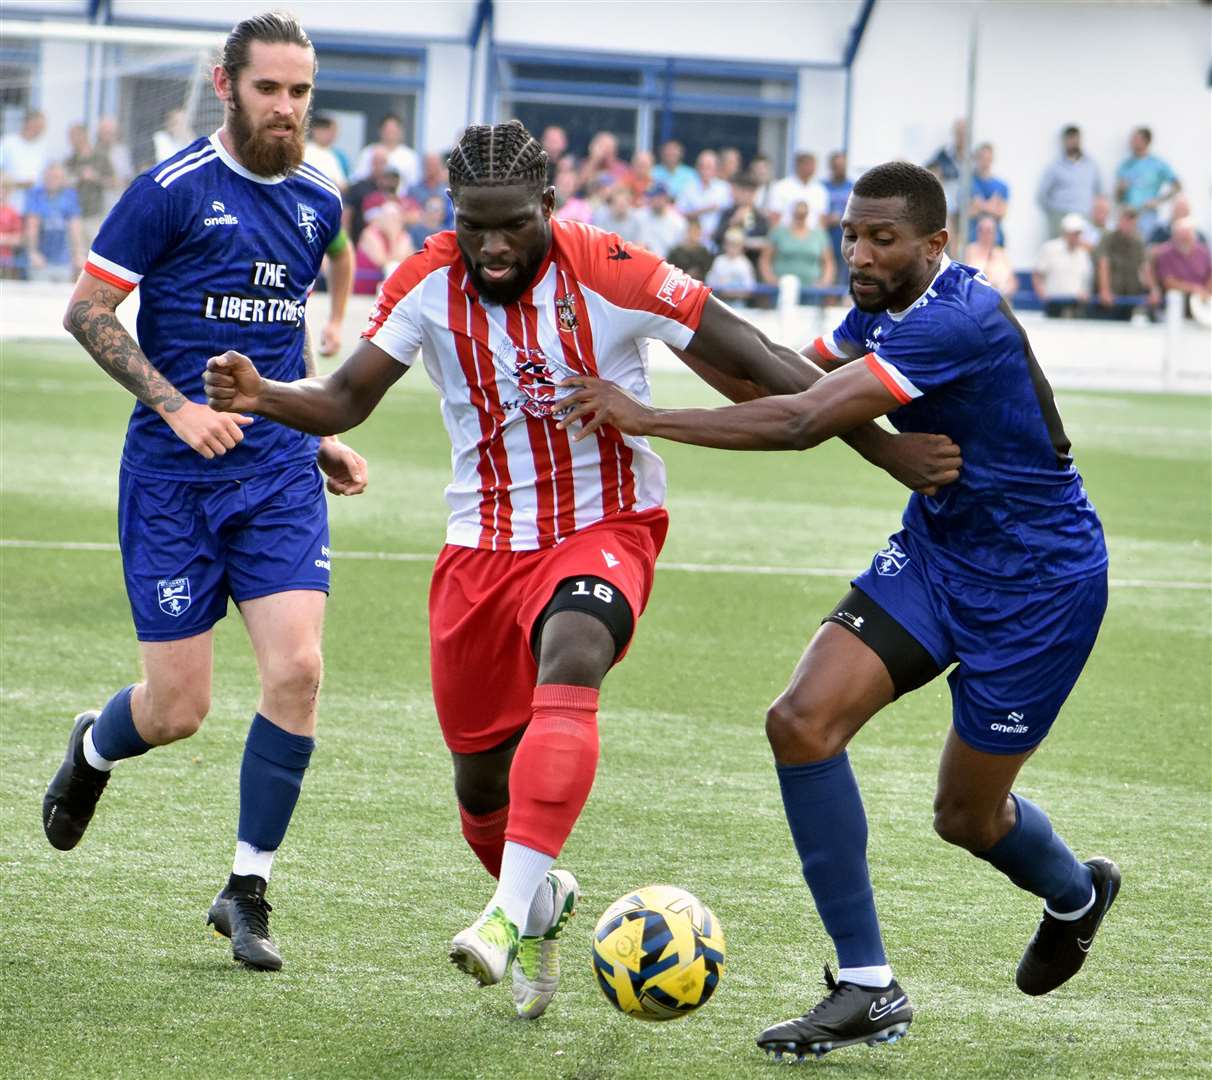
645, 101
359, 87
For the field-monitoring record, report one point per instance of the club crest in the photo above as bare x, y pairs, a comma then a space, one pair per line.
307, 222
891, 561
566, 313
173, 594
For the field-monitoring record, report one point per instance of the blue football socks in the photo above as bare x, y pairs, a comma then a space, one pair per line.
114, 734
829, 827
271, 775
1037, 860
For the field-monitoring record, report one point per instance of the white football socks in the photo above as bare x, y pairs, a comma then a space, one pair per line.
874, 977
522, 872
92, 757
252, 860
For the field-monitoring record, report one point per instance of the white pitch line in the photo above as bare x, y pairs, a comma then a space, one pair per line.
684, 567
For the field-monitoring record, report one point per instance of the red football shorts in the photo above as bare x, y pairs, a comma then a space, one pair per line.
483, 605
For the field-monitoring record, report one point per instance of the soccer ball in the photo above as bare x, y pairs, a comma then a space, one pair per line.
658, 953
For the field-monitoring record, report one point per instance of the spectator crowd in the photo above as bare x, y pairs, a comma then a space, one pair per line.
737, 225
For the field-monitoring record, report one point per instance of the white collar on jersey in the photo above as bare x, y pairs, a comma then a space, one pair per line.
236, 167
896, 316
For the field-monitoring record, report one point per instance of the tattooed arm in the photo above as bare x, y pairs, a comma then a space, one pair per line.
92, 320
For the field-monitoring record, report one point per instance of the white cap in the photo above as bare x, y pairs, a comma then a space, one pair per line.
1073, 223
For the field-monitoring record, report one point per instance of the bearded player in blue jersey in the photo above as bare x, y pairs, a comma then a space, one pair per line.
1002, 573
225, 240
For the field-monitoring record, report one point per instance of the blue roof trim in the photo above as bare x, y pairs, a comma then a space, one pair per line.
856, 33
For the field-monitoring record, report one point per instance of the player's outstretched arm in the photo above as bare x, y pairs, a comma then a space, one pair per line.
838, 403
92, 320
736, 358
322, 405
740, 361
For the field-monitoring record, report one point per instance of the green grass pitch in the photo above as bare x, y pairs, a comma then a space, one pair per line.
106, 969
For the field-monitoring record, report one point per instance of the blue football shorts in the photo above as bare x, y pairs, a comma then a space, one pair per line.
1017, 654
187, 546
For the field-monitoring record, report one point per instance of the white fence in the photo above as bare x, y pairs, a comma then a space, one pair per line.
1174, 355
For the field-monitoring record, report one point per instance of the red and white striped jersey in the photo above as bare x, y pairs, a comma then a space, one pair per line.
519, 482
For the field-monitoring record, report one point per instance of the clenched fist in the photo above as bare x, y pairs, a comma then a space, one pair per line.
232, 383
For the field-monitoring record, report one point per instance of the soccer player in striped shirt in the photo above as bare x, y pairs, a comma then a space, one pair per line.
1003, 574
224, 241
551, 543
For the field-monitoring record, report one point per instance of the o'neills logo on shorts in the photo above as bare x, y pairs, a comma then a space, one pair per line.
674, 288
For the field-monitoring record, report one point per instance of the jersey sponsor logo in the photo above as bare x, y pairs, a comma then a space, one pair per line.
535, 375
309, 223
173, 595
232, 307
891, 561
674, 288
566, 313
618, 253
611, 561
324, 562
1014, 725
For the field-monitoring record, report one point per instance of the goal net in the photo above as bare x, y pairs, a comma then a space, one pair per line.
155, 83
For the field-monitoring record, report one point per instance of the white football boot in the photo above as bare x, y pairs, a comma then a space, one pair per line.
486, 948
536, 970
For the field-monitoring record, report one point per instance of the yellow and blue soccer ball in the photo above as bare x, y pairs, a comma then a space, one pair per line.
658, 953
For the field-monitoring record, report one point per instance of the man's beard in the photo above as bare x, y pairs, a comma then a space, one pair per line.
505, 292
878, 302
259, 152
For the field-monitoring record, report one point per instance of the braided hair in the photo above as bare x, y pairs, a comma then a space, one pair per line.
497, 155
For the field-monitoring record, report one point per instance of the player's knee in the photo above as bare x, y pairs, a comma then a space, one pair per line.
959, 824
174, 716
293, 678
802, 732
481, 790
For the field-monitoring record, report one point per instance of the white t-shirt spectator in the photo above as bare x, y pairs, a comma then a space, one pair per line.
628, 227
708, 201
660, 232
23, 161
403, 159
731, 272
1065, 271
791, 190
323, 158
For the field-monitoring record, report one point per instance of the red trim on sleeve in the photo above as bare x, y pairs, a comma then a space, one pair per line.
440, 250
107, 277
822, 350
629, 275
890, 384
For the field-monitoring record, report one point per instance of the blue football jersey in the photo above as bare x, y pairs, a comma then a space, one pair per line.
224, 259
961, 365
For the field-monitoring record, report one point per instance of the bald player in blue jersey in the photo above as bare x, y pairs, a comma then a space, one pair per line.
224, 240
1002, 573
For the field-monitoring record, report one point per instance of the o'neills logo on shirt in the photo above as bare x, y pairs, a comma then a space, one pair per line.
221, 215
674, 288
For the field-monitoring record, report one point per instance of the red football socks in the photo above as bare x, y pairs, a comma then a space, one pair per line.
485, 835
553, 768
